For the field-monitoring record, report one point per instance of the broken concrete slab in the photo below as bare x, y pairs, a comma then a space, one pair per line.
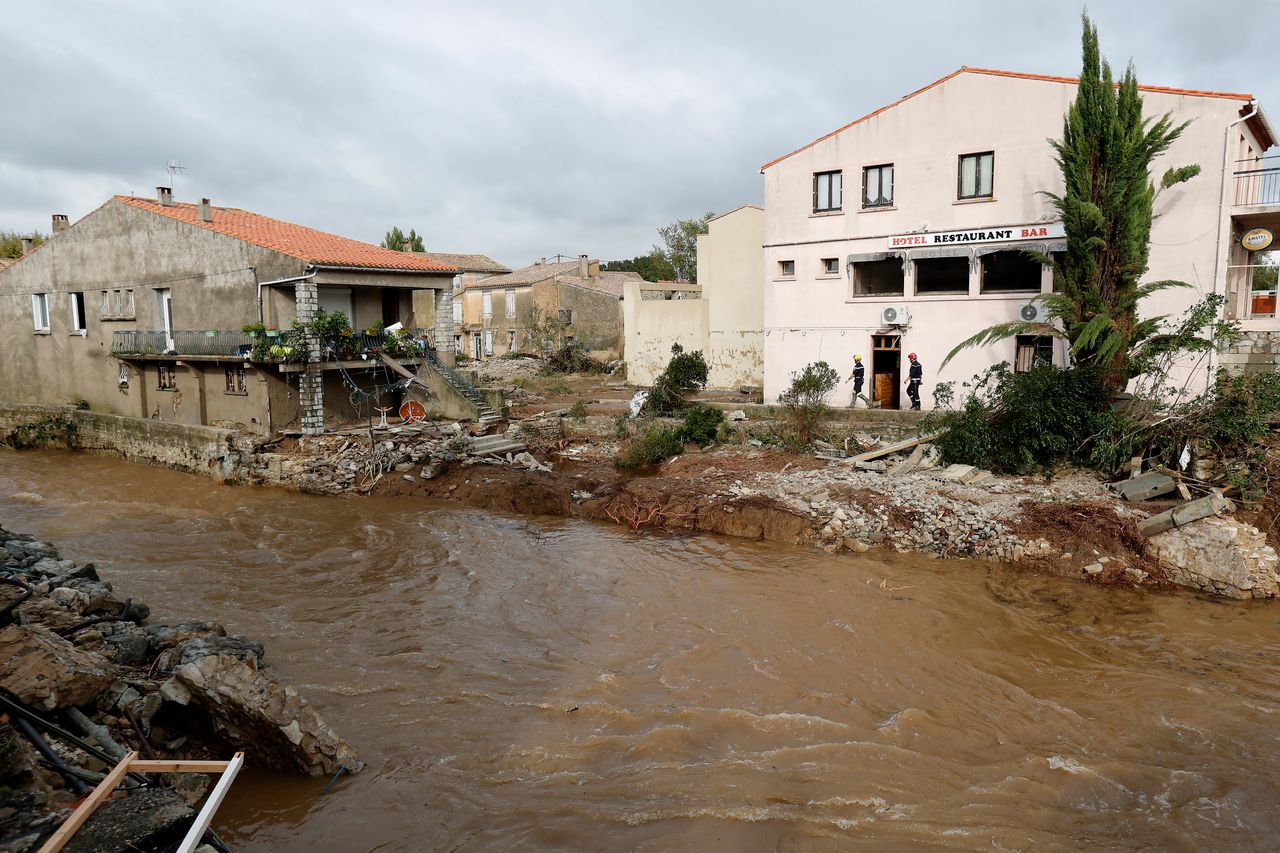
896, 447
1184, 514
959, 473
1145, 487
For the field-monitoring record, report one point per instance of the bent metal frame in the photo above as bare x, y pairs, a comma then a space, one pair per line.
132, 764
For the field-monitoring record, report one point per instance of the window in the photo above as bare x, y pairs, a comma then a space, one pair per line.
236, 383
40, 311
877, 278
457, 343
942, 275
76, 304
831, 266
457, 282
786, 269
124, 376
975, 175
877, 186
1010, 271
457, 311
511, 340
566, 316
487, 310
168, 377
1032, 349
511, 303
826, 191
488, 341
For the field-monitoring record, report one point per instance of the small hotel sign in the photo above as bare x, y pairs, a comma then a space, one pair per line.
979, 235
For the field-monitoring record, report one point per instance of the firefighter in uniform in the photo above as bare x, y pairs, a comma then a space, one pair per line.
914, 377
858, 376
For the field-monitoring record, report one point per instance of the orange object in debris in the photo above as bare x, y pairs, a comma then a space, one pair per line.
411, 411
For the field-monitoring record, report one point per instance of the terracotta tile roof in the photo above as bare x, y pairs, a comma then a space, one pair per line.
5, 263
467, 263
527, 275
1234, 96
297, 241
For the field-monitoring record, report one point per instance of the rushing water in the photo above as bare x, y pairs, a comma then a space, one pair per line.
548, 684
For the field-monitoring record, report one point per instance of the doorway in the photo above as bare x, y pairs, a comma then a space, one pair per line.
477, 346
390, 306
886, 370
164, 303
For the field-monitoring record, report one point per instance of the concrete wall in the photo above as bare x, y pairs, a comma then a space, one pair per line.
597, 316
654, 325
812, 316
219, 453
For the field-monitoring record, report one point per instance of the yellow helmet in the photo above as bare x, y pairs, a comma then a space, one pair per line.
857, 357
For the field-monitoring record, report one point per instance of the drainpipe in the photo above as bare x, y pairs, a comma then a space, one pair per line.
1222, 194
290, 280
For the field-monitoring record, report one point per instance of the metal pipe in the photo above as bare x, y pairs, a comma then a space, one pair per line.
75, 782
292, 279
19, 711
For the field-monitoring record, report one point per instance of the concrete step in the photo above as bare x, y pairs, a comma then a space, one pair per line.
491, 445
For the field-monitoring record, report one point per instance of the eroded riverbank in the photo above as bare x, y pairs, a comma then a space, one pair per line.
544, 682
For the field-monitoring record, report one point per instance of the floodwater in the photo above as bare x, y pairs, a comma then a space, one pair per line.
531, 683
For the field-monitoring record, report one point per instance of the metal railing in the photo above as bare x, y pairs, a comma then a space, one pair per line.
180, 343
1257, 181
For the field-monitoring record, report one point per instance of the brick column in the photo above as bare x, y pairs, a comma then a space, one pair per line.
444, 325
311, 380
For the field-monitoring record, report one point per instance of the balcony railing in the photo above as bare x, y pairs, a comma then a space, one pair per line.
181, 343
243, 344
1257, 181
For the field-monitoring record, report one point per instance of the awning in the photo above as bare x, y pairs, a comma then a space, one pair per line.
942, 252
866, 258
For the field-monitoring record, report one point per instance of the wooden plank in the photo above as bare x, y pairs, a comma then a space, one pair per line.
161, 766
892, 448
1181, 514
87, 807
192, 839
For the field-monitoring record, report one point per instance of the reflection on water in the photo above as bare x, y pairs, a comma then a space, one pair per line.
540, 683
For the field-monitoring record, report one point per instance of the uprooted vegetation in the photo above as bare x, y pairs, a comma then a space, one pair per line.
684, 376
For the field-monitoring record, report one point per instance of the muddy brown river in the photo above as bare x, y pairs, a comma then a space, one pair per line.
532, 683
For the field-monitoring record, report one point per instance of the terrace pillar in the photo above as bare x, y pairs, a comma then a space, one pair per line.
311, 380
444, 326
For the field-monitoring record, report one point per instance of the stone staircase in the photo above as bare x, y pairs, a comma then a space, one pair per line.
485, 415
495, 445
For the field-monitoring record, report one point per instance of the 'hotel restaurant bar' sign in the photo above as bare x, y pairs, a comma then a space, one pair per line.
979, 235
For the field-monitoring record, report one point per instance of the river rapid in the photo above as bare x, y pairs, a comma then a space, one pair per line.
533, 683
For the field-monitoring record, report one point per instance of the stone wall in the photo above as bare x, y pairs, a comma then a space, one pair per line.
219, 453
1223, 556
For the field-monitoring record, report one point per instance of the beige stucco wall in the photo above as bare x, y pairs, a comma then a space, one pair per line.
814, 316
597, 317
654, 325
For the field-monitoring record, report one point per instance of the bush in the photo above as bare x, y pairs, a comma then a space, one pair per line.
805, 402
685, 374
578, 411
572, 358
655, 445
701, 424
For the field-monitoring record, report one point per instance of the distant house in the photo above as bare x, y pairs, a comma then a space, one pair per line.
586, 301
721, 315
139, 309
471, 268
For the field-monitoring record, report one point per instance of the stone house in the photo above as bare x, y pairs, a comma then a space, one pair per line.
945, 194
721, 315
471, 268
587, 301
138, 309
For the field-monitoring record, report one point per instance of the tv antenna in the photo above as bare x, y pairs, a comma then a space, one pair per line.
174, 169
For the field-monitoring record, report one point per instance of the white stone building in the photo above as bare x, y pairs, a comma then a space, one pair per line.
904, 230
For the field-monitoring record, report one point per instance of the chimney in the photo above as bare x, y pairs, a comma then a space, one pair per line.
206, 210
60, 223
164, 195
541, 262
26, 245
584, 269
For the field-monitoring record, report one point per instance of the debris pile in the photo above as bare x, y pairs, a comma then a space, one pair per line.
84, 679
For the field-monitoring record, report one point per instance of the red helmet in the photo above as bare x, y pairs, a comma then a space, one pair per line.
911, 356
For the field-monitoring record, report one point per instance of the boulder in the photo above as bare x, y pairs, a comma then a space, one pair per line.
45, 671
1223, 556
161, 637
251, 711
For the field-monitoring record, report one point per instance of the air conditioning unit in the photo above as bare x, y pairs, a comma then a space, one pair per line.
895, 315
1033, 312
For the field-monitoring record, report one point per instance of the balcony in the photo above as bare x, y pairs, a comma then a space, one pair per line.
279, 347
1257, 182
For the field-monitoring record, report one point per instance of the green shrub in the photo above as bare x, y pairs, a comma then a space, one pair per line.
620, 428
578, 411
653, 446
572, 358
805, 402
686, 373
701, 424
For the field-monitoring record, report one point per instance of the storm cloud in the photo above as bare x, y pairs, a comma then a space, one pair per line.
519, 130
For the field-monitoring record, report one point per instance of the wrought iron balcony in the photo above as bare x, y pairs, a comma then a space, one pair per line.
1257, 181
216, 343
243, 345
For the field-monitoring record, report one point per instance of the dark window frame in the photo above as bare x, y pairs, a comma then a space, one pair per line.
1042, 351
831, 266
79, 320
831, 208
881, 201
977, 175
169, 372
782, 269
236, 380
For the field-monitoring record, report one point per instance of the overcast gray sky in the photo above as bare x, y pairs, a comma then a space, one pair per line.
516, 129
